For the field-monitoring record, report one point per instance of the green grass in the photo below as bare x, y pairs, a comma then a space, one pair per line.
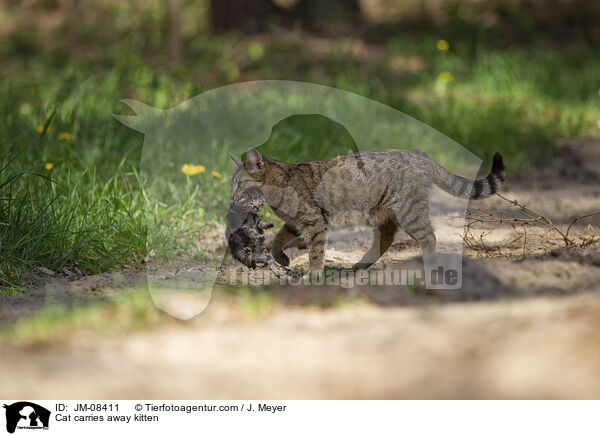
92, 207
132, 311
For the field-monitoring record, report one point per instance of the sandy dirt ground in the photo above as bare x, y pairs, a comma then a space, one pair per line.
526, 323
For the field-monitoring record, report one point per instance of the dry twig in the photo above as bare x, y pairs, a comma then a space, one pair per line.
524, 217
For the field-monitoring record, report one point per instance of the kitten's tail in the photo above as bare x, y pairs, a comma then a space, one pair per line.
465, 188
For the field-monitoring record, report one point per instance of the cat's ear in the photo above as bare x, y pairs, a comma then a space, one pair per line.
254, 161
235, 162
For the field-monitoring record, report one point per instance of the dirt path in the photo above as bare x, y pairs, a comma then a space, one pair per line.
525, 325
536, 348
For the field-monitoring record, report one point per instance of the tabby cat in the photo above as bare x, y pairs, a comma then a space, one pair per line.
382, 189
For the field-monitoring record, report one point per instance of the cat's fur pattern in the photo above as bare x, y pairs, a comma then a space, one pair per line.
382, 189
245, 232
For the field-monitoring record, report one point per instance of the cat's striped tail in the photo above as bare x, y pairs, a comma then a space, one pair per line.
465, 188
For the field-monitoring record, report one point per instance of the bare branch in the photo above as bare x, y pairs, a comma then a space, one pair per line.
523, 217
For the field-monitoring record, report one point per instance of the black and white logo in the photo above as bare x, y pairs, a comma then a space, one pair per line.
24, 415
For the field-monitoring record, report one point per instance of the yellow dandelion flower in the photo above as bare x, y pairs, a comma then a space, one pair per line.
192, 170
187, 169
446, 77
217, 174
598, 92
442, 45
40, 129
65, 136
198, 169
49, 166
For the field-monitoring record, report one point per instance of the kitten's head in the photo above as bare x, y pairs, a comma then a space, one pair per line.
249, 174
250, 200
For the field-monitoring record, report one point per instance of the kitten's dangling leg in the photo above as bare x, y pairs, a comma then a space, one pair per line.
277, 270
264, 257
383, 236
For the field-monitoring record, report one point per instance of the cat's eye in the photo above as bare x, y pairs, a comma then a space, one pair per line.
239, 184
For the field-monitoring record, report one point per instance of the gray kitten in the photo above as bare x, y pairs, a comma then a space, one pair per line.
245, 232
383, 189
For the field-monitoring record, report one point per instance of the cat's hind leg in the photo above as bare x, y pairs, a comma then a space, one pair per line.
383, 236
413, 217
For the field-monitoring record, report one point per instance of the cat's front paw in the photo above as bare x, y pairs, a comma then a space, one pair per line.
361, 265
281, 258
296, 274
279, 272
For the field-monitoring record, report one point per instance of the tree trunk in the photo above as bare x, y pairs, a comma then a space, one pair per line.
174, 31
248, 16
331, 16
